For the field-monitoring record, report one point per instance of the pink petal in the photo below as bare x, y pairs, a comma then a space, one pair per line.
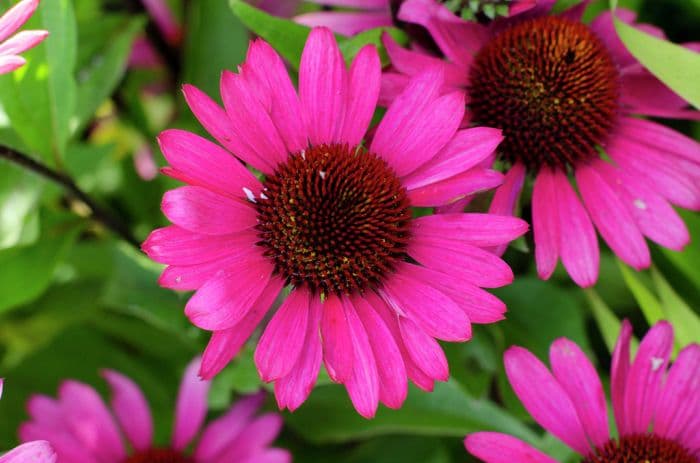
223, 302
660, 137
612, 219
13, 18
165, 20
644, 380
467, 149
266, 67
425, 351
191, 408
363, 91
345, 23
476, 229
619, 370
545, 223
226, 344
22, 41
254, 438
506, 197
363, 384
206, 164
578, 244
455, 189
32, 452
544, 398
131, 409
10, 63
201, 211
446, 255
323, 87
680, 398
270, 456
393, 384
337, 342
283, 339
494, 447
580, 380
218, 124
220, 433
292, 390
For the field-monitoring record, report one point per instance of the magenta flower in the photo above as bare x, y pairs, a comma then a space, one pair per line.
12, 46
31, 452
657, 413
560, 90
332, 222
83, 429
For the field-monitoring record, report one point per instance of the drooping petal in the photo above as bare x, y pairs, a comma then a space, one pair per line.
619, 370
423, 350
506, 197
346, 22
456, 188
337, 343
494, 447
476, 229
22, 41
363, 384
544, 398
10, 63
32, 452
545, 223
131, 409
13, 18
191, 408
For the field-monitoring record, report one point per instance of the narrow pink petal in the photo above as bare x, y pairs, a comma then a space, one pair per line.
22, 41
164, 18
218, 124
544, 398
223, 302
32, 452
283, 339
619, 370
360, 4
363, 91
644, 380
578, 244
680, 398
363, 384
467, 149
476, 229
265, 65
476, 265
579, 379
13, 18
425, 351
660, 137
191, 408
545, 223
494, 447
270, 456
456, 188
690, 438
392, 86
10, 63
408, 137
346, 22
322, 87
202, 211
254, 438
612, 219
506, 197
292, 390
644, 93
131, 409
226, 344
250, 120
220, 433
435, 312
393, 384
206, 164
67, 448
337, 343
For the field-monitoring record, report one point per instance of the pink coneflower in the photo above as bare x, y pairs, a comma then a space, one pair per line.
560, 90
368, 14
31, 452
83, 429
657, 414
371, 288
12, 46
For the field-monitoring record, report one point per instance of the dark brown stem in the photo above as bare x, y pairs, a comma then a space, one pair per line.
97, 213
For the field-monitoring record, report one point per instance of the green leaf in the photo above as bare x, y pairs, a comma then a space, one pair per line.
686, 323
19, 194
677, 67
350, 47
608, 324
26, 271
645, 298
687, 260
104, 70
328, 416
39, 98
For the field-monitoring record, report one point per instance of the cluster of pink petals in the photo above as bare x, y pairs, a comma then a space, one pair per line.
627, 199
570, 403
370, 343
12, 45
31, 452
81, 428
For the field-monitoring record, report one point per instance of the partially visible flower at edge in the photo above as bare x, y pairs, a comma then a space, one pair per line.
31, 452
82, 428
12, 45
657, 412
332, 220
575, 89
